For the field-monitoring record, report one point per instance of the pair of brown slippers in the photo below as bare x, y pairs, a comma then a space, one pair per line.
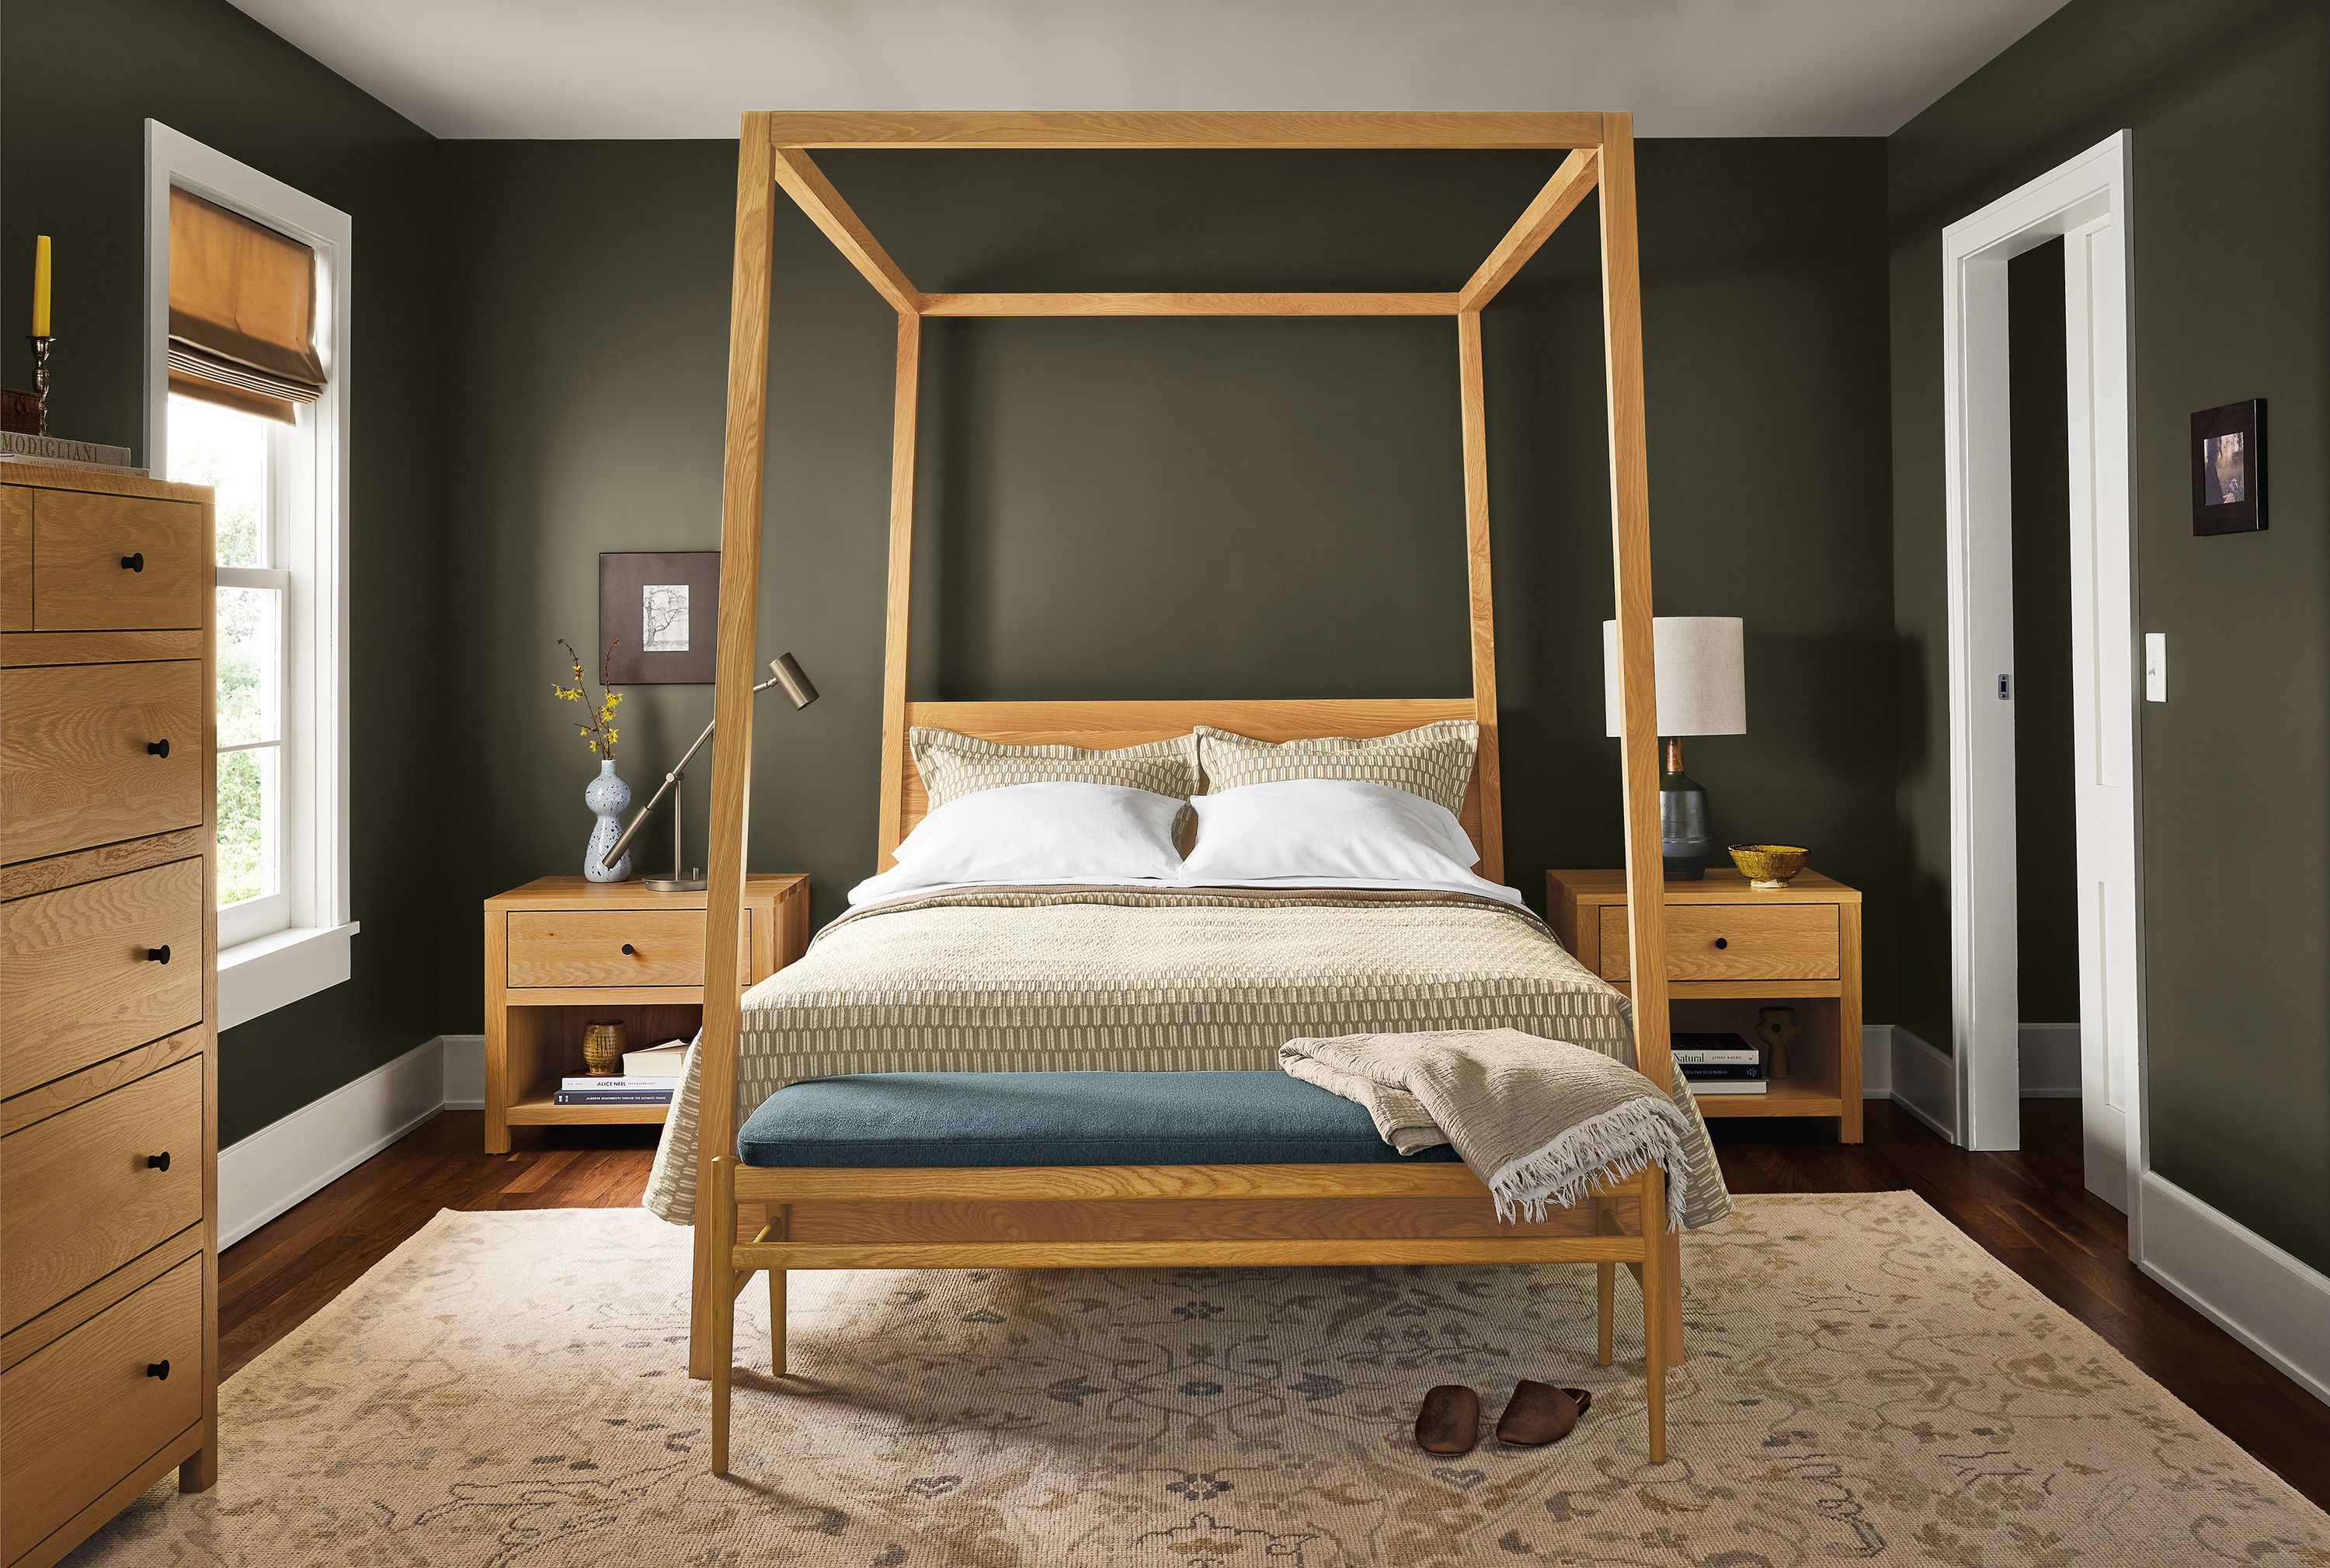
1538, 1413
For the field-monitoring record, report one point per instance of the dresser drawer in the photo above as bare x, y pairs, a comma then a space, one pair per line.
82, 975
1733, 942
586, 947
81, 1194
15, 558
94, 755
115, 562
78, 1415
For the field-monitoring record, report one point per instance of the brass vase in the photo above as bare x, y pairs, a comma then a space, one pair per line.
603, 1044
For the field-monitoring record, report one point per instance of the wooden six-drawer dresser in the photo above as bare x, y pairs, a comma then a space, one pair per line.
108, 1068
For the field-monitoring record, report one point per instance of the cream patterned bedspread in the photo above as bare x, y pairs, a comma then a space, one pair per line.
1122, 979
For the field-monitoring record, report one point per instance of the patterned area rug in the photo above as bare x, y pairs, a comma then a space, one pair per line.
1866, 1384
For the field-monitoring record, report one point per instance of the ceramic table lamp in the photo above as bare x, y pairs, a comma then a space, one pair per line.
1702, 688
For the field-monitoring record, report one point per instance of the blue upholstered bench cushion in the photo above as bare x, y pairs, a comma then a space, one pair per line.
975, 1119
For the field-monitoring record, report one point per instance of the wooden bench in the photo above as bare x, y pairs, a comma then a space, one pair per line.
1135, 1170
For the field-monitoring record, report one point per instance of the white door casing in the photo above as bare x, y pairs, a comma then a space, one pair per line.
2086, 201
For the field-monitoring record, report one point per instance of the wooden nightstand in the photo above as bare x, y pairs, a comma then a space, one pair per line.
561, 952
1732, 948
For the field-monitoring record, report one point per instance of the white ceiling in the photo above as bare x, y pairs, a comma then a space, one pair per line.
688, 68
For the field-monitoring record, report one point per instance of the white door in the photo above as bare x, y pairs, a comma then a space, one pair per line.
2103, 654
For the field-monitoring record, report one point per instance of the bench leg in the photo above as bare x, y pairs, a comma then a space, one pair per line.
721, 1309
777, 1227
1606, 1291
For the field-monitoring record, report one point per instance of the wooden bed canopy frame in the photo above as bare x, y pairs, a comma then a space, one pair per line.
775, 153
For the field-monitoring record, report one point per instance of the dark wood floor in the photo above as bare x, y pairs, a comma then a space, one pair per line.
2029, 1209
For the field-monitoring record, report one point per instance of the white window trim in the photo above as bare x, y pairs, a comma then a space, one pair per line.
313, 952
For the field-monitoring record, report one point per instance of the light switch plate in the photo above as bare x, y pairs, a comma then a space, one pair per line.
2156, 666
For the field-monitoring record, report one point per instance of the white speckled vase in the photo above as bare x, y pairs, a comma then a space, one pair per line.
607, 796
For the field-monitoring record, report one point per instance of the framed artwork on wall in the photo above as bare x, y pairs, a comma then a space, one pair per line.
2228, 468
661, 610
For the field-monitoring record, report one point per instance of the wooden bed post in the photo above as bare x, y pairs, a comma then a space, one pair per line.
1638, 707
896, 640
731, 746
1478, 592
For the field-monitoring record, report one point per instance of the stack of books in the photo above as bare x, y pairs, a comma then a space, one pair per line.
1720, 1063
649, 1077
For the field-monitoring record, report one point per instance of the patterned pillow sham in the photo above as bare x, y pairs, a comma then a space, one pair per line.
954, 766
1434, 760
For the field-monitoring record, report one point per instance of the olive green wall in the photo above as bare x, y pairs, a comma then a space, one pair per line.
2046, 859
2230, 109
1155, 509
78, 80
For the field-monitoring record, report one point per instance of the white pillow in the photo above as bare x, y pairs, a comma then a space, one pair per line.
1337, 828
1035, 833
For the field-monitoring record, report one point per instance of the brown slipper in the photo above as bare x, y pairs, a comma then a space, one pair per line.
1540, 1413
1450, 1421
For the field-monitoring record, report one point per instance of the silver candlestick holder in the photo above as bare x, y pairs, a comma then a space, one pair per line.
41, 343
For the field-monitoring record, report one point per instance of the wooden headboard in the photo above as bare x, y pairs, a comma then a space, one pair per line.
1108, 725
1129, 724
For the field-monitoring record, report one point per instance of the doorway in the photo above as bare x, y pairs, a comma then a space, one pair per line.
2082, 205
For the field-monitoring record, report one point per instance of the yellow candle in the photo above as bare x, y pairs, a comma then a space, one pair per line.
41, 285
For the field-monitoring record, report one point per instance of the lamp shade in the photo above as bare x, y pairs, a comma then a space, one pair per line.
1701, 673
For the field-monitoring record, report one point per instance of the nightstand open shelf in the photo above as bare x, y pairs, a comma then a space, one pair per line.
561, 952
1731, 951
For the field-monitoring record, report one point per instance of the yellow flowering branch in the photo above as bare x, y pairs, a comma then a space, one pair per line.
600, 733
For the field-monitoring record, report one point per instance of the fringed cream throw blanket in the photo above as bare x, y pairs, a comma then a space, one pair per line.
1539, 1121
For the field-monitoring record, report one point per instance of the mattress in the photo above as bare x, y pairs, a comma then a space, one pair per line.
1126, 979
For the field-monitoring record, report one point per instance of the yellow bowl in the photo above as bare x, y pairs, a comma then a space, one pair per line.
1768, 865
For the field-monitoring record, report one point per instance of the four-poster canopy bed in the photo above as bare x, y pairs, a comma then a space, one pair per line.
1049, 1209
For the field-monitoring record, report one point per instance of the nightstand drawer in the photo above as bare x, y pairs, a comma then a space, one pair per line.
81, 1194
608, 947
97, 753
78, 1414
1733, 942
114, 562
96, 969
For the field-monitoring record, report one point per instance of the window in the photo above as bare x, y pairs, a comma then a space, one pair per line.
255, 408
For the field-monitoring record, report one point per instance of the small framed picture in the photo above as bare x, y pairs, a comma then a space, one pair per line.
2228, 468
660, 610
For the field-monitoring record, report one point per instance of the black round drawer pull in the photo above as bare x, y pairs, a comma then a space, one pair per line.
629, 952
160, 748
1723, 942
158, 1161
160, 1369
136, 562
160, 955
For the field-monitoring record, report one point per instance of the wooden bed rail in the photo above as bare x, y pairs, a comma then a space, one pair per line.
773, 153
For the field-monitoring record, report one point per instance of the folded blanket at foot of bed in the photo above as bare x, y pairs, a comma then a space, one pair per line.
1539, 1121
1130, 980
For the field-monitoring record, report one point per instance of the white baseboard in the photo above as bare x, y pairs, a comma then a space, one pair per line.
1877, 1061
2049, 1058
465, 1072
2268, 1300
1925, 1082
261, 1176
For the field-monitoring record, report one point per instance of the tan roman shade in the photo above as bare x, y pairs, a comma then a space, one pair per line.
242, 312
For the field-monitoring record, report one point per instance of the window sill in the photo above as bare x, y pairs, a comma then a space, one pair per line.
257, 976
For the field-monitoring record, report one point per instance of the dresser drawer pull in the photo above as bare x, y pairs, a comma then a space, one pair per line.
158, 1161
158, 1369
136, 562
629, 952
1723, 942
160, 955
160, 748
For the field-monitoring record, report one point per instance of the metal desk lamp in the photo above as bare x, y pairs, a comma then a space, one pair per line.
685, 878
